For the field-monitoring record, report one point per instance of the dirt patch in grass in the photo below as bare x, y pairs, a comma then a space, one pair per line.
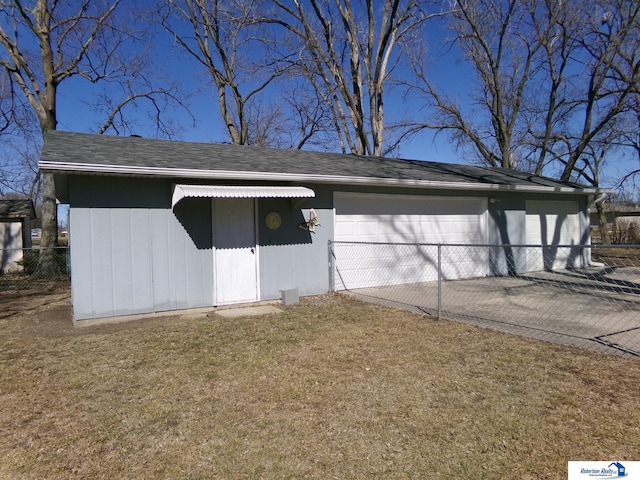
20, 293
331, 388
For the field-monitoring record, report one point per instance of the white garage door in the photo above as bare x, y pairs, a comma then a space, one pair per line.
552, 223
384, 225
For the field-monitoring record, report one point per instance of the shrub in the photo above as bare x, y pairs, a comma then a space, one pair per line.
625, 231
31, 259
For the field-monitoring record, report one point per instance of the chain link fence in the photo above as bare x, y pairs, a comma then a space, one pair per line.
33, 271
581, 295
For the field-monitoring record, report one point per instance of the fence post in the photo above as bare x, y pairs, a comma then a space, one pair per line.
332, 280
439, 281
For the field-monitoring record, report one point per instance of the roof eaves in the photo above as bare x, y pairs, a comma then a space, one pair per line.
66, 167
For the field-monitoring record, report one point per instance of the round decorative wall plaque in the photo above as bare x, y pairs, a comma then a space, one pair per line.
273, 220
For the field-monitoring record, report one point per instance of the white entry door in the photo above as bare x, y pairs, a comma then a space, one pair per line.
235, 256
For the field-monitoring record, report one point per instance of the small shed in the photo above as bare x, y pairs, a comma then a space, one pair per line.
15, 232
157, 225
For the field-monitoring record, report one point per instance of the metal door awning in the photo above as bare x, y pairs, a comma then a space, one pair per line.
238, 191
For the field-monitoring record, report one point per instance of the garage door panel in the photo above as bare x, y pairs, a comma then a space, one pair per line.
405, 205
418, 229
345, 229
462, 228
548, 229
405, 219
367, 229
552, 223
370, 265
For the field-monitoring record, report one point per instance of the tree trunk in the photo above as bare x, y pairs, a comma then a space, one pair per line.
47, 260
605, 238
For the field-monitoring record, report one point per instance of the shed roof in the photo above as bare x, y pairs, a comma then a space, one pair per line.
66, 152
17, 209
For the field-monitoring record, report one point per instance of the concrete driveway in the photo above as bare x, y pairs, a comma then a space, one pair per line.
595, 308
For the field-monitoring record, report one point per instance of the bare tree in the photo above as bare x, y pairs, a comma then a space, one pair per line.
591, 65
45, 43
499, 43
552, 80
19, 167
309, 121
228, 39
15, 120
589, 115
611, 47
13, 111
329, 63
347, 53
630, 142
601, 119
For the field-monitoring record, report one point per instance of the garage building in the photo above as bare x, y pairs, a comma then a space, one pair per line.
160, 225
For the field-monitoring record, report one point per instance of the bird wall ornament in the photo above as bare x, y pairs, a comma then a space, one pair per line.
313, 222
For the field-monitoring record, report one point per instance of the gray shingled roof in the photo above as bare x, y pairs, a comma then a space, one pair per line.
77, 152
17, 209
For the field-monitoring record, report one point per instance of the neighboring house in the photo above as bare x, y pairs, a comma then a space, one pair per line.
623, 222
15, 232
160, 225
615, 211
